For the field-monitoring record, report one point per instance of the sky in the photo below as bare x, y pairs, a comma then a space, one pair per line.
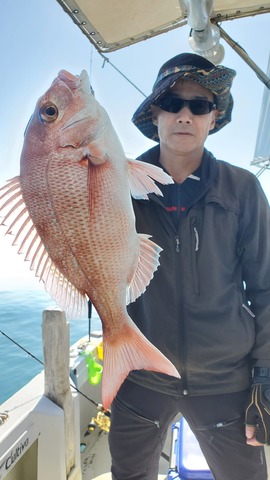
38, 39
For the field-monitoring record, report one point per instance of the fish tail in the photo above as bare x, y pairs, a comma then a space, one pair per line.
133, 352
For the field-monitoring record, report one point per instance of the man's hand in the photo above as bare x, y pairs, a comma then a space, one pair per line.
251, 436
257, 417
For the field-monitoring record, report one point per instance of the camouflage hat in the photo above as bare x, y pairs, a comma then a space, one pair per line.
188, 66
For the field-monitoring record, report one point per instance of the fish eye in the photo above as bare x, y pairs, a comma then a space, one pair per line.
48, 113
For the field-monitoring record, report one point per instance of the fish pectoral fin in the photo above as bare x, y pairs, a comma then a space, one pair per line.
95, 155
132, 352
141, 179
19, 225
148, 262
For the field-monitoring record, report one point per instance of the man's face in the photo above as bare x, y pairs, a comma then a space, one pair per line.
183, 132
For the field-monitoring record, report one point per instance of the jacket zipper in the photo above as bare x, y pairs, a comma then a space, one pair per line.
179, 287
195, 249
196, 238
196, 290
177, 244
182, 353
248, 310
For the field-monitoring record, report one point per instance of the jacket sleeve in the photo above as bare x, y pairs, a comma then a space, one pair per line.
254, 250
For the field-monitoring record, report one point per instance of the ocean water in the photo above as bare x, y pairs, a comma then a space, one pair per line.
21, 320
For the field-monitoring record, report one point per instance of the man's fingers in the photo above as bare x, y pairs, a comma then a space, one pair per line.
251, 436
250, 431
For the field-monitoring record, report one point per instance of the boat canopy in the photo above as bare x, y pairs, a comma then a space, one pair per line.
114, 24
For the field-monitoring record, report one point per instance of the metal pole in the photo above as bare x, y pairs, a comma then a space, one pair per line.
260, 74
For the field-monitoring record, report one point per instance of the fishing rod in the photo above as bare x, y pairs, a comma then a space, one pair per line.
42, 363
21, 347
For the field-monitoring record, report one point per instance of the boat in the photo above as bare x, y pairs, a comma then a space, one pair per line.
55, 426
35, 442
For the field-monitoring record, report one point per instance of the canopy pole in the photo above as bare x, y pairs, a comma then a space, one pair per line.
238, 49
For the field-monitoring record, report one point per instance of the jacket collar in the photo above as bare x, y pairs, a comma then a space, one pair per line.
207, 171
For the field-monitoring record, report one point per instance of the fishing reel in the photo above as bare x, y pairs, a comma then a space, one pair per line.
3, 417
102, 420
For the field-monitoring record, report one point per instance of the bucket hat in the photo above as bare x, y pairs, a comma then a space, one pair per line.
188, 66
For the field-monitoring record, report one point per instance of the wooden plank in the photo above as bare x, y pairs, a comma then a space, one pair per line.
56, 345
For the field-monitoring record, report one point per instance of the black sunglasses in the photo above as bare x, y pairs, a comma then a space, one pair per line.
197, 106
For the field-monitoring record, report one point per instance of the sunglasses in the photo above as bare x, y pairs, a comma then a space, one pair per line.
175, 104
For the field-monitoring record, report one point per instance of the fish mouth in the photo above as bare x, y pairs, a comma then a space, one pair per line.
74, 83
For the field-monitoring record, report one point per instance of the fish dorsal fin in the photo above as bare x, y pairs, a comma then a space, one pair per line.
141, 179
19, 225
148, 262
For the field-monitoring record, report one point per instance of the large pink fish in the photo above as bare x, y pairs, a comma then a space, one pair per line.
71, 213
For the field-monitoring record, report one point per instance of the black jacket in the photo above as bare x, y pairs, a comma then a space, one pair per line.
208, 306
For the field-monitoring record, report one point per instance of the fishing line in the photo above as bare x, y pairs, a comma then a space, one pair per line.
89, 319
91, 65
42, 363
106, 60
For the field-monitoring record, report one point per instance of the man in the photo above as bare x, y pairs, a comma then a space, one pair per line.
208, 306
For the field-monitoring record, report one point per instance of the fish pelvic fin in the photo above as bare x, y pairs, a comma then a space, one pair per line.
18, 225
141, 179
132, 351
148, 263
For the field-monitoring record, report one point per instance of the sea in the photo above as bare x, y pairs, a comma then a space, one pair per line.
21, 336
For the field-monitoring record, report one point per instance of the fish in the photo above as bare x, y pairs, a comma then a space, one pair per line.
70, 212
